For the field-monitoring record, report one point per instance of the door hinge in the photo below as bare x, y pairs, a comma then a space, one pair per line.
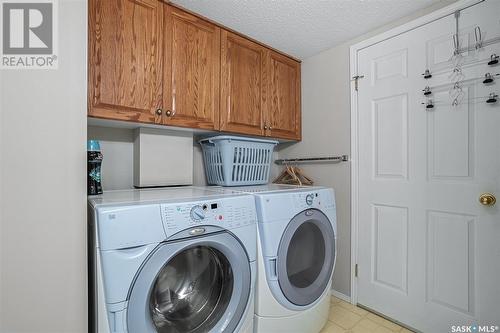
356, 270
356, 79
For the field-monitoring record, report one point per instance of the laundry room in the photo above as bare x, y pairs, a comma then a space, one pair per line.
237, 166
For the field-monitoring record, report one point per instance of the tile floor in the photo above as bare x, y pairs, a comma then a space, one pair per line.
347, 318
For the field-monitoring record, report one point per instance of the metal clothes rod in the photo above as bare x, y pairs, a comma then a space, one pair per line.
342, 158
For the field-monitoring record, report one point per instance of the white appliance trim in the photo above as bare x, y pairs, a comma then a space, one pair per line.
353, 60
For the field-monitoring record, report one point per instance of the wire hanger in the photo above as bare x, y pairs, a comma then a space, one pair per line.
457, 76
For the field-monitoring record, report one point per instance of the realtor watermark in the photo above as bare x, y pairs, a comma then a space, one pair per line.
29, 34
475, 328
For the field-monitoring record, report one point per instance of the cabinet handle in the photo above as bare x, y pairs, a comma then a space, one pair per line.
159, 112
169, 113
265, 127
270, 127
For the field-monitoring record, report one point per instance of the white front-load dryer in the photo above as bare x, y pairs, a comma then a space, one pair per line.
173, 260
296, 257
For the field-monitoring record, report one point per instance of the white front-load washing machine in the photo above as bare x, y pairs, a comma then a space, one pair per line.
172, 260
296, 257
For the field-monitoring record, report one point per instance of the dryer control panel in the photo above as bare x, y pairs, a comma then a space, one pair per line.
227, 213
314, 199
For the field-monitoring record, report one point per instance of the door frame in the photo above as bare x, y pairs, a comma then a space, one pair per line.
353, 71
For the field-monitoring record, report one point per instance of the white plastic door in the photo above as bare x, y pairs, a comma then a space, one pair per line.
428, 251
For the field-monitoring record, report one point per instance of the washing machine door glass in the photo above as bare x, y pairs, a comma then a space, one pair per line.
306, 257
191, 286
192, 291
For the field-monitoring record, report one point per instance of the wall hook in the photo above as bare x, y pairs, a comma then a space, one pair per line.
429, 104
492, 98
427, 74
493, 60
488, 78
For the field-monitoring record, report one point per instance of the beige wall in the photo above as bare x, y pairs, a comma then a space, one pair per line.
199, 177
43, 188
1, 193
326, 131
117, 145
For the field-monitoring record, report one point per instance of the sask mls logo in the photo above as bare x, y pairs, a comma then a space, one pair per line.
29, 39
475, 329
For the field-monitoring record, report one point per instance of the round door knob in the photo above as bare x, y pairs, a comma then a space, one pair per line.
159, 112
487, 199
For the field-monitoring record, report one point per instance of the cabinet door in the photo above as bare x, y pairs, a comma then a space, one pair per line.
242, 85
283, 108
192, 71
125, 63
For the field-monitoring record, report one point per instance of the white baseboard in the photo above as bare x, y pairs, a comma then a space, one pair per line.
340, 295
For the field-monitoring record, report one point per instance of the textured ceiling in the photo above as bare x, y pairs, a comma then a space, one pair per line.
304, 27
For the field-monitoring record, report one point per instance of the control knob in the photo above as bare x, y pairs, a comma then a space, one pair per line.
309, 199
197, 213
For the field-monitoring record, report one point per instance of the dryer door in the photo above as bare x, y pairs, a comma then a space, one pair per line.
306, 257
194, 285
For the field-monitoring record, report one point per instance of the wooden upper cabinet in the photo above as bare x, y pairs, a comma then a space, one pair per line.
125, 59
152, 62
260, 90
192, 71
243, 65
283, 105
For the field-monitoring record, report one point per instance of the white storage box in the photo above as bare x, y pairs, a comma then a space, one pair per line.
162, 157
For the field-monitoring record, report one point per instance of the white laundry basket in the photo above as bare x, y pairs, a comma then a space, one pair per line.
235, 161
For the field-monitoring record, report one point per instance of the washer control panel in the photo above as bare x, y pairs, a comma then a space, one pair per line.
227, 213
